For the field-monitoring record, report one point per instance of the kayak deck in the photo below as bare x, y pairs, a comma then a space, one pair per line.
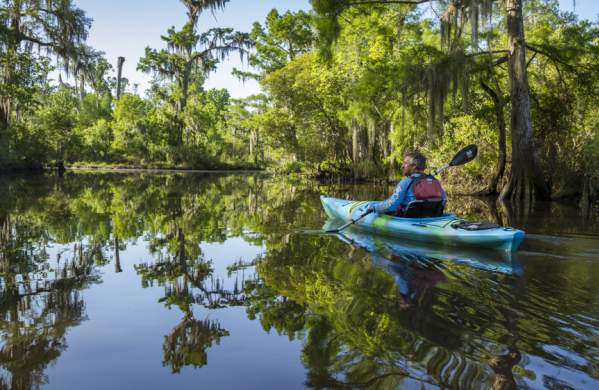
438, 230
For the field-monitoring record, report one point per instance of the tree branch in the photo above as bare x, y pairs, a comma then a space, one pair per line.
500, 61
208, 50
531, 59
548, 55
488, 52
23, 37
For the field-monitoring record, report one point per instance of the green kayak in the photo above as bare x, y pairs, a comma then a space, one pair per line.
445, 230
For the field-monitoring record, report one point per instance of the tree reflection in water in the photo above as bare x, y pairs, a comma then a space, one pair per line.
385, 318
38, 301
102, 214
186, 345
374, 319
188, 280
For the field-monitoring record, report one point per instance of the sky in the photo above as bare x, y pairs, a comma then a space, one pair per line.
126, 27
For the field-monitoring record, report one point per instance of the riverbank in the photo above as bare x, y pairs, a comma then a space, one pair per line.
161, 166
125, 169
14, 167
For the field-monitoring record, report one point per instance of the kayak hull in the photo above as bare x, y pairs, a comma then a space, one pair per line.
439, 231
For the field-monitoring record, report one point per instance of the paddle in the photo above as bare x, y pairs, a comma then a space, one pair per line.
349, 223
462, 157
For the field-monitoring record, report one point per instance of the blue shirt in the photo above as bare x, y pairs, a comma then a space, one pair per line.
400, 196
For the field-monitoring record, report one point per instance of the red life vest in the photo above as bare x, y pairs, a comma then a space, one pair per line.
424, 187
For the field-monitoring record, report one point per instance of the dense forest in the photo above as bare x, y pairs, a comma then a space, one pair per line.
348, 87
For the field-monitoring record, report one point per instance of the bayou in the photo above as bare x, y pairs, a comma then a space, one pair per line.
168, 234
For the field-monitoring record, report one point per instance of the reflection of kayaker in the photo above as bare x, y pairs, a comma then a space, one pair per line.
412, 276
390, 248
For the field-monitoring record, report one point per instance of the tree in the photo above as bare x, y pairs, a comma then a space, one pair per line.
121, 61
526, 179
56, 26
131, 128
281, 39
307, 97
56, 119
191, 55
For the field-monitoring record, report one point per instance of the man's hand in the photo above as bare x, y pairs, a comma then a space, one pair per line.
370, 209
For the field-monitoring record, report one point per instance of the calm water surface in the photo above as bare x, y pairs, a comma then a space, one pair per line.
219, 282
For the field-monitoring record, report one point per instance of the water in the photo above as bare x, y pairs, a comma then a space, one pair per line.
215, 281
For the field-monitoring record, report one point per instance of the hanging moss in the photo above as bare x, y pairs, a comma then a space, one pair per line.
453, 19
451, 71
437, 79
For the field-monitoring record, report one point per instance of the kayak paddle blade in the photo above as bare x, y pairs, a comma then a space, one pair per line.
464, 156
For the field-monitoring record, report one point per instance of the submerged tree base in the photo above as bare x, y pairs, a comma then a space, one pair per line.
523, 186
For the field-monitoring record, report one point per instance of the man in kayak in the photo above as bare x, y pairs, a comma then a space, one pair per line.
418, 195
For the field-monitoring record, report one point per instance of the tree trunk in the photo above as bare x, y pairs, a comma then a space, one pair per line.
371, 133
526, 180
179, 128
3, 116
254, 146
120, 62
61, 168
355, 141
498, 106
117, 256
360, 147
81, 87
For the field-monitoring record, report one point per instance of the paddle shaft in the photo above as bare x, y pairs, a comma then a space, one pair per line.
439, 170
349, 223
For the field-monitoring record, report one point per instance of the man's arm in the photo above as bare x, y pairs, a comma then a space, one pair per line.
394, 201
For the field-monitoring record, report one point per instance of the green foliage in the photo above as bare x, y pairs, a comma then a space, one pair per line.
186, 62
392, 78
97, 140
56, 120
460, 131
307, 93
281, 39
130, 128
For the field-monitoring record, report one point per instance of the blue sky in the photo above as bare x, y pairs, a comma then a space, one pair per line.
126, 27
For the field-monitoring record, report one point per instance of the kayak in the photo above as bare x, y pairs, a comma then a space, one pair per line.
388, 251
445, 230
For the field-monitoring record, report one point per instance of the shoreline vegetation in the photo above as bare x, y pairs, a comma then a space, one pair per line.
347, 88
571, 199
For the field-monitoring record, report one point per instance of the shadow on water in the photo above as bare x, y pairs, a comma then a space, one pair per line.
369, 312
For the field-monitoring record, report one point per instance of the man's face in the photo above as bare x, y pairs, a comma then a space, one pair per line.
408, 167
